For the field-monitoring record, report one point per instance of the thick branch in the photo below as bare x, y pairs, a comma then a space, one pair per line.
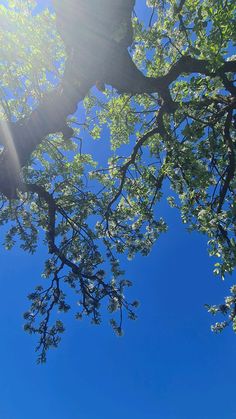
20, 139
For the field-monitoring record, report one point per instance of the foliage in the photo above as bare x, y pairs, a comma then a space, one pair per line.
89, 212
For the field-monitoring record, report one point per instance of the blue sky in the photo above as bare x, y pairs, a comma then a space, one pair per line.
168, 365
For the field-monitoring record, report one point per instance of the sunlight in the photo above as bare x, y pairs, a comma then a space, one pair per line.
7, 141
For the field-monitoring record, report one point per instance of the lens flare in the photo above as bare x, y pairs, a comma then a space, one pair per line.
7, 140
10, 165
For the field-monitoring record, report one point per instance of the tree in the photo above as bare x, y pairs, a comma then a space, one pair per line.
168, 105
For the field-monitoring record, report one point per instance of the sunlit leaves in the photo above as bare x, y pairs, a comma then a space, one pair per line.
29, 61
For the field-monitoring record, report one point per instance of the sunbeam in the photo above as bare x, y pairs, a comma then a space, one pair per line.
10, 168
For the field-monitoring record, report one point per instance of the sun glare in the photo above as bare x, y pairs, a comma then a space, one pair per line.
7, 141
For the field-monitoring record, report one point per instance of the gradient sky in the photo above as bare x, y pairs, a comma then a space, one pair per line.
168, 365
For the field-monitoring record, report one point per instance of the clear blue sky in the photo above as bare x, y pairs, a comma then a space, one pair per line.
168, 365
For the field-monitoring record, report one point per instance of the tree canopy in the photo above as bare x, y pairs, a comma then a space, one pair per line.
163, 92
